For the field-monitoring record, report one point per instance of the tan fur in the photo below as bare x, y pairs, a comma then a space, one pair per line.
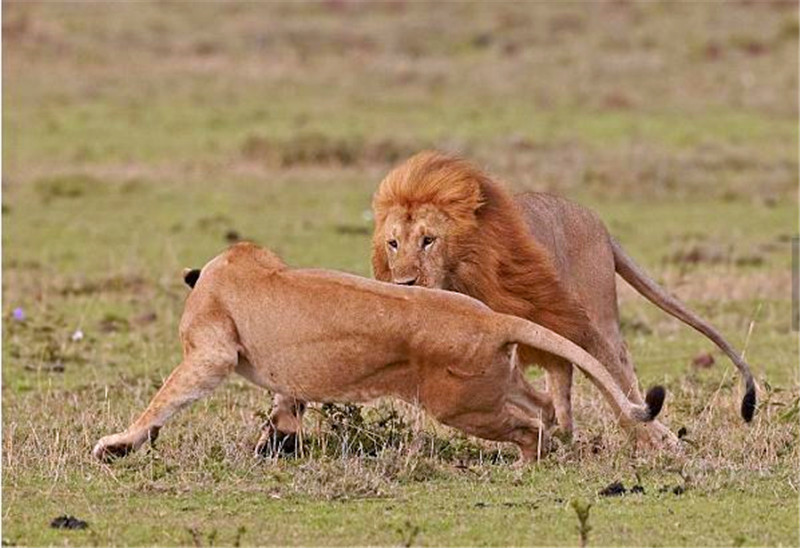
535, 255
317, 335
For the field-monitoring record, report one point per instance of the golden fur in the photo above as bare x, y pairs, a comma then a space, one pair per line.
317, 335
484, 236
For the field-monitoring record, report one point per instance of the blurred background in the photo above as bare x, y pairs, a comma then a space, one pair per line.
276, 121
140, 138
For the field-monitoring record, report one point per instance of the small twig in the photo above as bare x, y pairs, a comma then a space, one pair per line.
750, 331
539, 444
750, 328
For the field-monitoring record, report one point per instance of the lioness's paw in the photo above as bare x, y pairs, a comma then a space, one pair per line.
111, 447
273, 442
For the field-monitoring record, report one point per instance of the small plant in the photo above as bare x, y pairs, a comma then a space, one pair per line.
239, 534
581, 508
67, 186
739, 540
197, 541
409, 533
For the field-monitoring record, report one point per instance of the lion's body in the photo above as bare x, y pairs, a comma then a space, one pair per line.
578, 245
535, 255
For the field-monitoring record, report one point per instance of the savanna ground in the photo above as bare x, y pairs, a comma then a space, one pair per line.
140, 138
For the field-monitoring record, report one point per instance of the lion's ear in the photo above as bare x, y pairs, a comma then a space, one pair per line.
380, 263
478, 192
464, 202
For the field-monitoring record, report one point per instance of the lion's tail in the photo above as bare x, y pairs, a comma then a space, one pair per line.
190, 276
645, 285
535, 336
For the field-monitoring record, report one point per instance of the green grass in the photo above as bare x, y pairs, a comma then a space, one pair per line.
137, 140
531, 509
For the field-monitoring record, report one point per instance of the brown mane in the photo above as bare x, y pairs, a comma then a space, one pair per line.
493, 257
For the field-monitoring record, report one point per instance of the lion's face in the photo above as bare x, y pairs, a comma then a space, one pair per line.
415, 245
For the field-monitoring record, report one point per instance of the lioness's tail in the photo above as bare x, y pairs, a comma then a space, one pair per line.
530, 334
645, 285
190, 276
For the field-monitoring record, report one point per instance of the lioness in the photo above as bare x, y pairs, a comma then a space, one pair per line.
326, 336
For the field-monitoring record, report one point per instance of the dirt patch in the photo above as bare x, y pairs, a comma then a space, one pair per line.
703, 361
614, 489
675, 490
319, 149
712, 254
68, 522
352, 230
145, 318
119, 283
67, 186
113, 323
618, 489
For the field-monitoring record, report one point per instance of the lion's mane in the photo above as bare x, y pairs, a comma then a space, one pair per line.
492, 255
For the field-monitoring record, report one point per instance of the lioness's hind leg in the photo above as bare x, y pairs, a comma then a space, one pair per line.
194, 378
280, 434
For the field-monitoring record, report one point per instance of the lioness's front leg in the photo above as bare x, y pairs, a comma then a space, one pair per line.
511, 420
280, 432
194, 378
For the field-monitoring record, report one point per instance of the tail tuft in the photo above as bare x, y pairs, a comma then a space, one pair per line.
190, 276
749, 403
655, 400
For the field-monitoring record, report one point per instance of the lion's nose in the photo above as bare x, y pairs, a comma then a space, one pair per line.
409, 281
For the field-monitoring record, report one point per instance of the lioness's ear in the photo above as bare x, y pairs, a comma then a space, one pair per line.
380, 263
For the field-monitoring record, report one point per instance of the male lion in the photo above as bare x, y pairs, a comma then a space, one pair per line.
326, 336
441, 222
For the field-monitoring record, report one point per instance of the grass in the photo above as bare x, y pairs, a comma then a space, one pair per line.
140, 139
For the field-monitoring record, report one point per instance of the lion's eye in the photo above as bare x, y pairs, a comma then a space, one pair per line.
427, 241
392, 244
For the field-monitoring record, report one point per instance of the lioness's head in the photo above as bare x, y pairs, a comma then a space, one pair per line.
424, 211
